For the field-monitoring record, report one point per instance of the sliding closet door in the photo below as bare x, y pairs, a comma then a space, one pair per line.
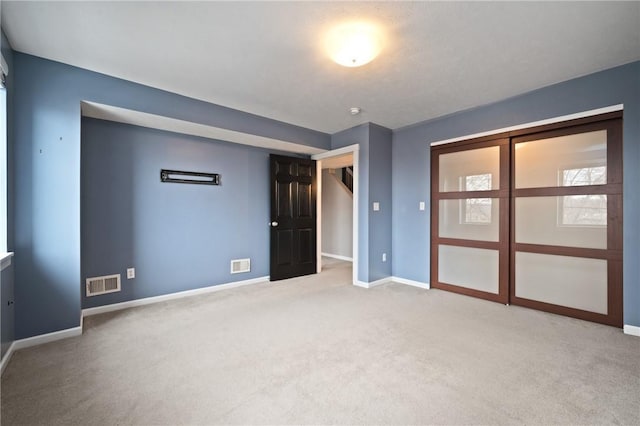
566, 221
469, 219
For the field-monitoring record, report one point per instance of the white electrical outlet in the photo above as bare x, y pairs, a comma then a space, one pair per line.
131, 273
384, 257
422, 205
376, 206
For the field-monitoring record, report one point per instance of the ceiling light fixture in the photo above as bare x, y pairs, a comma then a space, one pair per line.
354, 44
355, 110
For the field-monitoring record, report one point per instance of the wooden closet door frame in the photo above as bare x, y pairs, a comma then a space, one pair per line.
612, 122
502, 194
612, 254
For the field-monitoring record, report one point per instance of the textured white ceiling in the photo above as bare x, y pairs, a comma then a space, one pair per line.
267, 58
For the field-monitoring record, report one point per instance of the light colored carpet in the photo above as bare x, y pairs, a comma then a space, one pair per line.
318, 350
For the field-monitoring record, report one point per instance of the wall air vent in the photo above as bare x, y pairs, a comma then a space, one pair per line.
103, 285
240, 265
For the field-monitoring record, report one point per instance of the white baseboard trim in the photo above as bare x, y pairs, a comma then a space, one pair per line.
372, 283
337, 256
7, 358
413, 283
397, 280
41, 339
179, 295
631, 330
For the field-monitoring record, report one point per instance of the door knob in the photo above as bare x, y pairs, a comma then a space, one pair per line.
274, 223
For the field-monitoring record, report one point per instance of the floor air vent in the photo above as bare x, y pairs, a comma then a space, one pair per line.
240, 265
103, 285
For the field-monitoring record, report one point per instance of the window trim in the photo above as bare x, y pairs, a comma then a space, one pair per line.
4, 177
561, 199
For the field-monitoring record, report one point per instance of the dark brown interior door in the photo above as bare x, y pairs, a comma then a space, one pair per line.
293, 217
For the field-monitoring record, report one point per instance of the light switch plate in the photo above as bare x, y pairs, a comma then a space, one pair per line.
376, 206
131, 273
422, 205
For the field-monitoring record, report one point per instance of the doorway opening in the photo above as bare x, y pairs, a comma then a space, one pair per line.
337, 222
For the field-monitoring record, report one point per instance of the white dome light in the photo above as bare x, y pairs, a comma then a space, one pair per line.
354, 44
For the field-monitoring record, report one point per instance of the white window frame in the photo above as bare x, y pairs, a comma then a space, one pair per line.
561, 199
3, 170
464, 205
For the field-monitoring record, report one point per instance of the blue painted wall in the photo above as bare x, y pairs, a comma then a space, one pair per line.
411, 163
47, 175
177, 236
379, 191
374, 184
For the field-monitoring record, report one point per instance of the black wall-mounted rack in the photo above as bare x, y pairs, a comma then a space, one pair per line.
177, 176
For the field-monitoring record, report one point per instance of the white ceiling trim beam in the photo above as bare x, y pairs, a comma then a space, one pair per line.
153, 121
590, 113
